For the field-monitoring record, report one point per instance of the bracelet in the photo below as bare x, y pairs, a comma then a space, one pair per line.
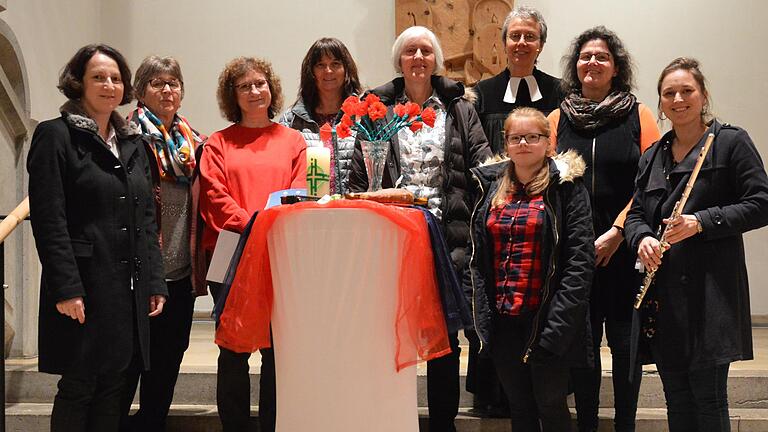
621, 229
699, 228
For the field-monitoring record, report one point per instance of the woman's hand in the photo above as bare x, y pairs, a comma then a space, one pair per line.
649, 252
680, 228
156, 303
73, 308
606, 245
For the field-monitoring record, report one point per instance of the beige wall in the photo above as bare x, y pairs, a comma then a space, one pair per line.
728, 39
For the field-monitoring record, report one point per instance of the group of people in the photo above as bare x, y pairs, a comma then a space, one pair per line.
545, 235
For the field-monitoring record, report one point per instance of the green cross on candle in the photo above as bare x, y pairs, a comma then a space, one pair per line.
315, 176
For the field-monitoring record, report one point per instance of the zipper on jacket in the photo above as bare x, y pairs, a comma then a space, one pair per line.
472, 255
594, 140
535, 330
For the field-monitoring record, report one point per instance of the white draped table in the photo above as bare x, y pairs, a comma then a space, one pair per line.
335, 277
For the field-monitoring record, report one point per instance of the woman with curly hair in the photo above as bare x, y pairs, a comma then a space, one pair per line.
240, 166
328, 76
601, 119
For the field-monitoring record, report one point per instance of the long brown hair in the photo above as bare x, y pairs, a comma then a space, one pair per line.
541, 180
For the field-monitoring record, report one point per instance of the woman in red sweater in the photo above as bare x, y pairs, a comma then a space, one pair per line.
240, 166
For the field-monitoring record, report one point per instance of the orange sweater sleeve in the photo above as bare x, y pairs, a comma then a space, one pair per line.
217, 207
554, 119
649, 134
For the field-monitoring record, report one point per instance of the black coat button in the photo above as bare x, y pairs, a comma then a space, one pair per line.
684, 280
125, 228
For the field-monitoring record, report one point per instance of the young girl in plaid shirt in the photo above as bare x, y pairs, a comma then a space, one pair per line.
531, 267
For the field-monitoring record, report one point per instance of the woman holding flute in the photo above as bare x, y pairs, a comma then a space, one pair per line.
696, 316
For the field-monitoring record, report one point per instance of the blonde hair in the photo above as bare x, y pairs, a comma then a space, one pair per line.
541, 180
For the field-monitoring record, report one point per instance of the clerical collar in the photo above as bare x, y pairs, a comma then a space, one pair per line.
510, 96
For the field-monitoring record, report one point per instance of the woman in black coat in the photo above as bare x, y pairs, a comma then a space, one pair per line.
696, 317
94, 225
532, 262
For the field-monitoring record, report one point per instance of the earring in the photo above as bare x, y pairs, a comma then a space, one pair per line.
662, 117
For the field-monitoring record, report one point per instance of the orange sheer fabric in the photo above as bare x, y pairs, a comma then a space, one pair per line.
419, 325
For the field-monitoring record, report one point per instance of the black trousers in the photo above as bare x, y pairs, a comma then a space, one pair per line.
233, 391
233, 387
586, 382
169, 339
697, 401
87, 403
537, 392
443, 388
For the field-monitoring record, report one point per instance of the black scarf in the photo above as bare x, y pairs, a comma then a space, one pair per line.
586, 114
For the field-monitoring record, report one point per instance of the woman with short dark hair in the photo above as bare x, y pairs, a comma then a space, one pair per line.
96, 236
240, 166
172, 146
328, 76
601, 119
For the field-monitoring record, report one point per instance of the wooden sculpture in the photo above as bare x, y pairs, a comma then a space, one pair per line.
469, 32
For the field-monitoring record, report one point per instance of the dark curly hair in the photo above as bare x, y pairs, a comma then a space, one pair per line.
335, 49
624, 79
236, 69
71, 77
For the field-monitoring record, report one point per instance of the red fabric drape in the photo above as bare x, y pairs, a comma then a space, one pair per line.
419, 324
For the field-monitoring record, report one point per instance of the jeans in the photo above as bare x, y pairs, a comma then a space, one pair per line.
537, 392
87, 403
586, 382
697, 401
443, 388
169, 340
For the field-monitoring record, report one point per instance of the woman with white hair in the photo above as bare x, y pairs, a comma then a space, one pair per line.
521, 84
434, 164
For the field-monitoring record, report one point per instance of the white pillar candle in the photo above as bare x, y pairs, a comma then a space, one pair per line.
318, 171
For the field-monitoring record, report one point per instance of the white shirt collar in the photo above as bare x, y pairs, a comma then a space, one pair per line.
112, 142
510, 96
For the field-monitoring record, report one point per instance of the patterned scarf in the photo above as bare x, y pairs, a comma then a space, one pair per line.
174, 149
586, 114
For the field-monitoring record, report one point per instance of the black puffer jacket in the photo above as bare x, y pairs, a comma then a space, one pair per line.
465, 147
568, 260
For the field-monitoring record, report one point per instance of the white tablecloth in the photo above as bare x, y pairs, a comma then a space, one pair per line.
335, 292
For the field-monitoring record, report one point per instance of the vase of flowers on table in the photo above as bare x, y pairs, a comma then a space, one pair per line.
368, 117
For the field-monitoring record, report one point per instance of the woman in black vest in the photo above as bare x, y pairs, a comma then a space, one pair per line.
602, 120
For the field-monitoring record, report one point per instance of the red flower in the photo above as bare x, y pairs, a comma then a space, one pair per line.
376, 111
415, 125
428, 116
400, 110
412, 109
325, 133
343, 130
371, 99
350, 105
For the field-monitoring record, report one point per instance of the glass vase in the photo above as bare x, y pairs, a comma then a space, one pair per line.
374, 156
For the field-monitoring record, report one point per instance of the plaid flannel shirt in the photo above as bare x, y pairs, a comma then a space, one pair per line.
516, 229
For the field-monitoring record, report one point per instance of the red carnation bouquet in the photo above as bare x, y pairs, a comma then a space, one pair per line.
368, 117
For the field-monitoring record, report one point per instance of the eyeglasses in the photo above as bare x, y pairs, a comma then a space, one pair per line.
245, 88
531, 138
528, 37
159, 84
600, 57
